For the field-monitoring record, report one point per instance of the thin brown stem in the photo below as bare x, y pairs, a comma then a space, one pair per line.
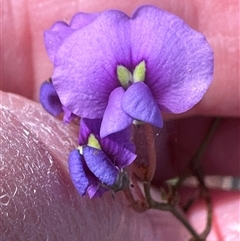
208, 201
195, 161
167, 207
152, 157
138, 206
193, 168
129, 196
207, 229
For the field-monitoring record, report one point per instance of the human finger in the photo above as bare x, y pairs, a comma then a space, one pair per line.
38, 200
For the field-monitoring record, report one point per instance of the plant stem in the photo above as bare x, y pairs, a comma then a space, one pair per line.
167, 207
152, 157
194, 165
138, 206
208, 202
195, 162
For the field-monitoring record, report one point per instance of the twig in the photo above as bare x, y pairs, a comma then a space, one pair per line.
204, 190
138, 206
152, 157
195, 162
167, 207
193, 167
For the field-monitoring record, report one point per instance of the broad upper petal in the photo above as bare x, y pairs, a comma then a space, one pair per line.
80, 20
85, 64
179, 61
54, 37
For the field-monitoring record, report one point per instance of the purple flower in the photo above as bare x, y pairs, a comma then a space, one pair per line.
98, 164
49, 99
51, 102
121, 69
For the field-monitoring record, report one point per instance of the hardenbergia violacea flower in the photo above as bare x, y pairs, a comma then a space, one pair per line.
112, 70
121, 69
98, 163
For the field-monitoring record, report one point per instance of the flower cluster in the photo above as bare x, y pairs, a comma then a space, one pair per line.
112, 70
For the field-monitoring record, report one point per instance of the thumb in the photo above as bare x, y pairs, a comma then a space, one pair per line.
38, 200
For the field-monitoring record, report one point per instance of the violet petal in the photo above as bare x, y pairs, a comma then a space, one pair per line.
54, 37
87, 127
179, 59
96, 191
121, 155
77, 172
119, 147
68, 115
80, 20
49, 99
139, 103
100, 165
93, 60
114, 118
122, 137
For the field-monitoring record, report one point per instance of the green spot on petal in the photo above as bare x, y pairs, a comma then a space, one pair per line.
124, 75
93, 142
139, 72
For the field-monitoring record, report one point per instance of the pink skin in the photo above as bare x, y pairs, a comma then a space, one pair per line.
37, 196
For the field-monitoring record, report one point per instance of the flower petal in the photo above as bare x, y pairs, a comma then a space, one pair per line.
54, 37
87, 127
114, 118
121, 155
123, 137
80, 19
49, 99
86, 64
96, 190
68, 115
139, 103
119, 147
100, 165
77, 172
179, 61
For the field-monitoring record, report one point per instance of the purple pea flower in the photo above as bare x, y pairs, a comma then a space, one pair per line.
98, 164
51, 103
121, 69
